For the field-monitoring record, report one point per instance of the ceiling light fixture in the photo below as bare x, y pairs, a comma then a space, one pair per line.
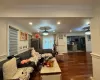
45, 33
53, 31
58, 22
30, 23
88, 33
70, 30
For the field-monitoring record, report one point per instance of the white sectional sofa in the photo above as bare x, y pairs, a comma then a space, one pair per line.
11, 70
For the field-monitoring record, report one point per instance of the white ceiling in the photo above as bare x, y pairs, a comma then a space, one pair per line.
53, 8
66, 25
45, 2
46, 8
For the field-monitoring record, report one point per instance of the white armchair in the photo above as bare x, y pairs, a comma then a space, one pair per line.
10, 70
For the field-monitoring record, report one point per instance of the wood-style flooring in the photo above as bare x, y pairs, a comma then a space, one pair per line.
74, 66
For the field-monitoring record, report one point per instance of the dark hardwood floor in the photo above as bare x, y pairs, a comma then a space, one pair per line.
75, 66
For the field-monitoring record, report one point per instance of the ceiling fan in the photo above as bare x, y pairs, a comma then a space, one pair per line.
45, 32
87, 30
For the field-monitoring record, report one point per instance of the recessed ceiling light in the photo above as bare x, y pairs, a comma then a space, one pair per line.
53, 31
70, 30
30, 23
88, 22
58, 22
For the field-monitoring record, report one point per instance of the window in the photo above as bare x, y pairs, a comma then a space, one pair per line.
48, 42
13, 41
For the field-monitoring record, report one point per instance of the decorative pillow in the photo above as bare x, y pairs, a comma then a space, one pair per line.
9, 68
33, 53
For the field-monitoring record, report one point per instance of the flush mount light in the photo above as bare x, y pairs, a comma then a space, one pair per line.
30, 23
88, 33
58, 22
53, 31
45, 32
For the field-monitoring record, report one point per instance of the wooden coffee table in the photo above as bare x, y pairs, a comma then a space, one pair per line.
51, 73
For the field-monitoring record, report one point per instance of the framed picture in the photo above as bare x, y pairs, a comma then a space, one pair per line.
23, 36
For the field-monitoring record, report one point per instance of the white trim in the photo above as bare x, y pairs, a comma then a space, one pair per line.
91, 78
3, 55
95, 55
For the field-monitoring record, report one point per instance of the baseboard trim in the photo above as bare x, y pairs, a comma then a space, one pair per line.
95, 55
91, 78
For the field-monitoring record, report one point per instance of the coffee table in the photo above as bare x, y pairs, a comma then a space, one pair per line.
51, 73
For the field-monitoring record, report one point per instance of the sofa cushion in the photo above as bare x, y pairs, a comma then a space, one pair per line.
9, 68
47, 50
25, 55
40, 51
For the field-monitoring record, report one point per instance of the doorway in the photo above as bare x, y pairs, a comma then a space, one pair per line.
76, 43
48, 42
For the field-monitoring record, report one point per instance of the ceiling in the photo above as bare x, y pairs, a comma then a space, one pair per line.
45, 2
66, 25
46, 8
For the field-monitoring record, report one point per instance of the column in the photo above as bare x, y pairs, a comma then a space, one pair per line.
95, 40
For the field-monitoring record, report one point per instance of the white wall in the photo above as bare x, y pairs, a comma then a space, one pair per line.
4, 31
62, 44
3, 39
95, 33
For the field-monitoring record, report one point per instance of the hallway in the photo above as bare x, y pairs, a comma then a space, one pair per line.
76, 66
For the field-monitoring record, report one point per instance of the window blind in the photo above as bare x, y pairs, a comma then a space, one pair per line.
13, 41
